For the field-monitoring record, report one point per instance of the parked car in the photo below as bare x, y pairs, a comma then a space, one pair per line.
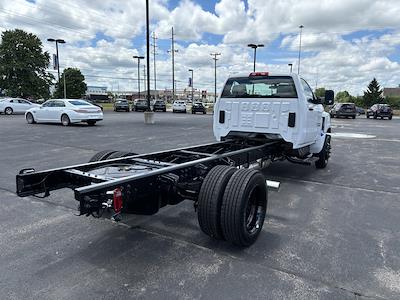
64, 111
95, 104
159, 105
360, 110
380, 111
199, 107
343, 110
121, 104
179, 106
11, 106
141, 105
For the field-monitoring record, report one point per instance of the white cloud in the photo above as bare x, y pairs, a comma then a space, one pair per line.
329, 59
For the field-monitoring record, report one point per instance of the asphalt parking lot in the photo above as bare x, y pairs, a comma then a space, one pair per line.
329, 234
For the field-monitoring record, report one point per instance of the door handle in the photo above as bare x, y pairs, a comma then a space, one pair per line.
310, 109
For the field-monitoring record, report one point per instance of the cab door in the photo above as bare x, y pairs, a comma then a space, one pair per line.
313, 113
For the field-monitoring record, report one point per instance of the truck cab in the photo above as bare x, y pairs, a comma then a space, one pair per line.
277, 107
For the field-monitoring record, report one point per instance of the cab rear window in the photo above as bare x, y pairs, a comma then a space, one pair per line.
260, 87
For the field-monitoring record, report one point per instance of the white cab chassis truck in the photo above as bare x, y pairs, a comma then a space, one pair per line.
277, 108
258, 118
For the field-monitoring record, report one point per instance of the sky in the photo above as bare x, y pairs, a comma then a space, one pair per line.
345, 43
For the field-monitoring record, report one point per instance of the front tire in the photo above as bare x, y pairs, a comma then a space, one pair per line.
324, 154
65, 121
120, 154
8, 111
390, 117
244, 206
353, 117
210, 200
102, 155
30, 119
91, 123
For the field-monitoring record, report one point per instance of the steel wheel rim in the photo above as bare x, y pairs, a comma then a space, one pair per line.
8, 111
253, 212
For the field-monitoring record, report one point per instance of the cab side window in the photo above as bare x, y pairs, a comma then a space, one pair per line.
307, 91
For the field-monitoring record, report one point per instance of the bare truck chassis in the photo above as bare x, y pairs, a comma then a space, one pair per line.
231, 201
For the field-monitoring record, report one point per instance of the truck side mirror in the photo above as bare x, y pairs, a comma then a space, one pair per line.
329, 97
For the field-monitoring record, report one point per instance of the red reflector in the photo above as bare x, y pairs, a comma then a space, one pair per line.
259, 74
117, 200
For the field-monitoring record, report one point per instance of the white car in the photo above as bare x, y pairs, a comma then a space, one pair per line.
11, 106
179, 106
65, 111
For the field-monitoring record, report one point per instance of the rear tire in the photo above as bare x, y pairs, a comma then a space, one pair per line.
353, 117
367, 116
65, 121
390, 117
210, 200
375, 116
102, 155
244, 206
30, 119
324, 154
8, 111
91, 123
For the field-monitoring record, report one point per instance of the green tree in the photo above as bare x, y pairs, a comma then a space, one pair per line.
373, 94
74, 82
320, 92
23, 65
343, 96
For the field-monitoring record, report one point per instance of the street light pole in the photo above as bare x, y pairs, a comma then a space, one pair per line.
58, 41
254, 46
215, 55
191, 70
138, 71
298, 65
291, 67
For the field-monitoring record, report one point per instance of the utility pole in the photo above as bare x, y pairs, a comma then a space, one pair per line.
138, 71
144, 75
154, 62
172, 51
215, 55
65, 86
298, 65
148, 54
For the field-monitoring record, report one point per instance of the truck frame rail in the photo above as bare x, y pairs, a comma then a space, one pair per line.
147, 181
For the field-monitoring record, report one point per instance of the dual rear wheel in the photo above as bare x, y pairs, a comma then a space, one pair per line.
232, 204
